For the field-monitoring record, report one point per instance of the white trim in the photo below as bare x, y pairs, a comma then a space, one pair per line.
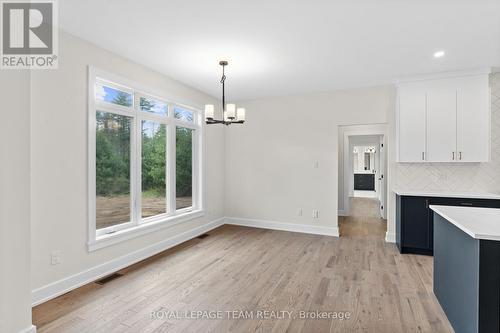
444, 75
91, 151
141, 229
275, 225
354, 130
64, 285
341, 212
145, 90
390, 237
31, 329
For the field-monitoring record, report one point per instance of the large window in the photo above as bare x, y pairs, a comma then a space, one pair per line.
144, 159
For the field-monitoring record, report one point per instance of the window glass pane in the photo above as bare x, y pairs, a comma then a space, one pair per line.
112, 169
184, 167
111, 95
153, 106
154, 147
183, 114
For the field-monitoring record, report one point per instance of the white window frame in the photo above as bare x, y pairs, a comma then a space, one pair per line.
98, 238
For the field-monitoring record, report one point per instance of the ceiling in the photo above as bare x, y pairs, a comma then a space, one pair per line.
281, 47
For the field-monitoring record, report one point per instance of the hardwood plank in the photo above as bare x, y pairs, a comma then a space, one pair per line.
240, 268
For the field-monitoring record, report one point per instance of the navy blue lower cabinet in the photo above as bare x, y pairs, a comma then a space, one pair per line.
364, 181
466, 278
415, 220
413, 225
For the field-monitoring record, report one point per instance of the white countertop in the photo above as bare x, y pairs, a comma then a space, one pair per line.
470, 195
364, 172
479, 223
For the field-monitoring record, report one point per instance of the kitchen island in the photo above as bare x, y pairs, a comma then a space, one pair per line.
415, 220
467, 266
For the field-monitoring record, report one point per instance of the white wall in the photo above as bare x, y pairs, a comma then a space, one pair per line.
59, 160
270, 160
15, 270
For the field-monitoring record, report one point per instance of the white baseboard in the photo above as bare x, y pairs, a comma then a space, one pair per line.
31, 329
390, 237
62, 286
293, 227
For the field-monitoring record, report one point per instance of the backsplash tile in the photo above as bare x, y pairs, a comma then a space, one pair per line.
469, 177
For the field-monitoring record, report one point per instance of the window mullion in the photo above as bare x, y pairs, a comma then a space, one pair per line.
194, 168
138, 173
133, 171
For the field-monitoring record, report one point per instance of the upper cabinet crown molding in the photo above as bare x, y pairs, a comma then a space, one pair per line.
444, 119
445, 75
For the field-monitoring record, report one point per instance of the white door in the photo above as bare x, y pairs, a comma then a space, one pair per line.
442, 121
411, 129
473, 119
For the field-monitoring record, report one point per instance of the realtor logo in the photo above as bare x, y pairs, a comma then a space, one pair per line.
29, 35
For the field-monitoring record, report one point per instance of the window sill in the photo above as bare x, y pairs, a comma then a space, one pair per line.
141, 229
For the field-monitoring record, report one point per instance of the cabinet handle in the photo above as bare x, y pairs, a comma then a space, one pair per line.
459, 155
423, 156
453, 155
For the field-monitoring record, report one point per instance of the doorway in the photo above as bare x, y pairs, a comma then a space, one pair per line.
363, 169
364, 151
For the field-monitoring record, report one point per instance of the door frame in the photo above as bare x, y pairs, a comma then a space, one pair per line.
356, 130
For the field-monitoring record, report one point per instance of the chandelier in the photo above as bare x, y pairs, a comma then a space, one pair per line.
231, 114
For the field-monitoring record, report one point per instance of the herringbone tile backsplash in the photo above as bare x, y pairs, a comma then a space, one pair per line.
469, 177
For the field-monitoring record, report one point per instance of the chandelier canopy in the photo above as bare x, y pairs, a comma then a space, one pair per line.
230, 113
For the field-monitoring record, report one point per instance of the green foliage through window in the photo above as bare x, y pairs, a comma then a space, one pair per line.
112, 154
154, 145
119, 112
184, 170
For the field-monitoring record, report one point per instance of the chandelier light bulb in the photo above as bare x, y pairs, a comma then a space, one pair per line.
209, 111
240, 114
231, 111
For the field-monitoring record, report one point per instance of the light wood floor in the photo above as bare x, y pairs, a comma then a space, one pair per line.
238, 268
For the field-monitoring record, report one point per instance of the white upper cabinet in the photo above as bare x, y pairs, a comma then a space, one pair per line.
473, 119
444, 120
441, 121
412, 122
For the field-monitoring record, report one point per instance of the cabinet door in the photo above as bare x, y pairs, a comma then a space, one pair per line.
411, 128
473, 119
415, 223
442, 121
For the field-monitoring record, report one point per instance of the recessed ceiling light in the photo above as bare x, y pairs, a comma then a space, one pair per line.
439, 54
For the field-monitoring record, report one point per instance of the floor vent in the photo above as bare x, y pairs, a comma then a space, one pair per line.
203, 236
109, 278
